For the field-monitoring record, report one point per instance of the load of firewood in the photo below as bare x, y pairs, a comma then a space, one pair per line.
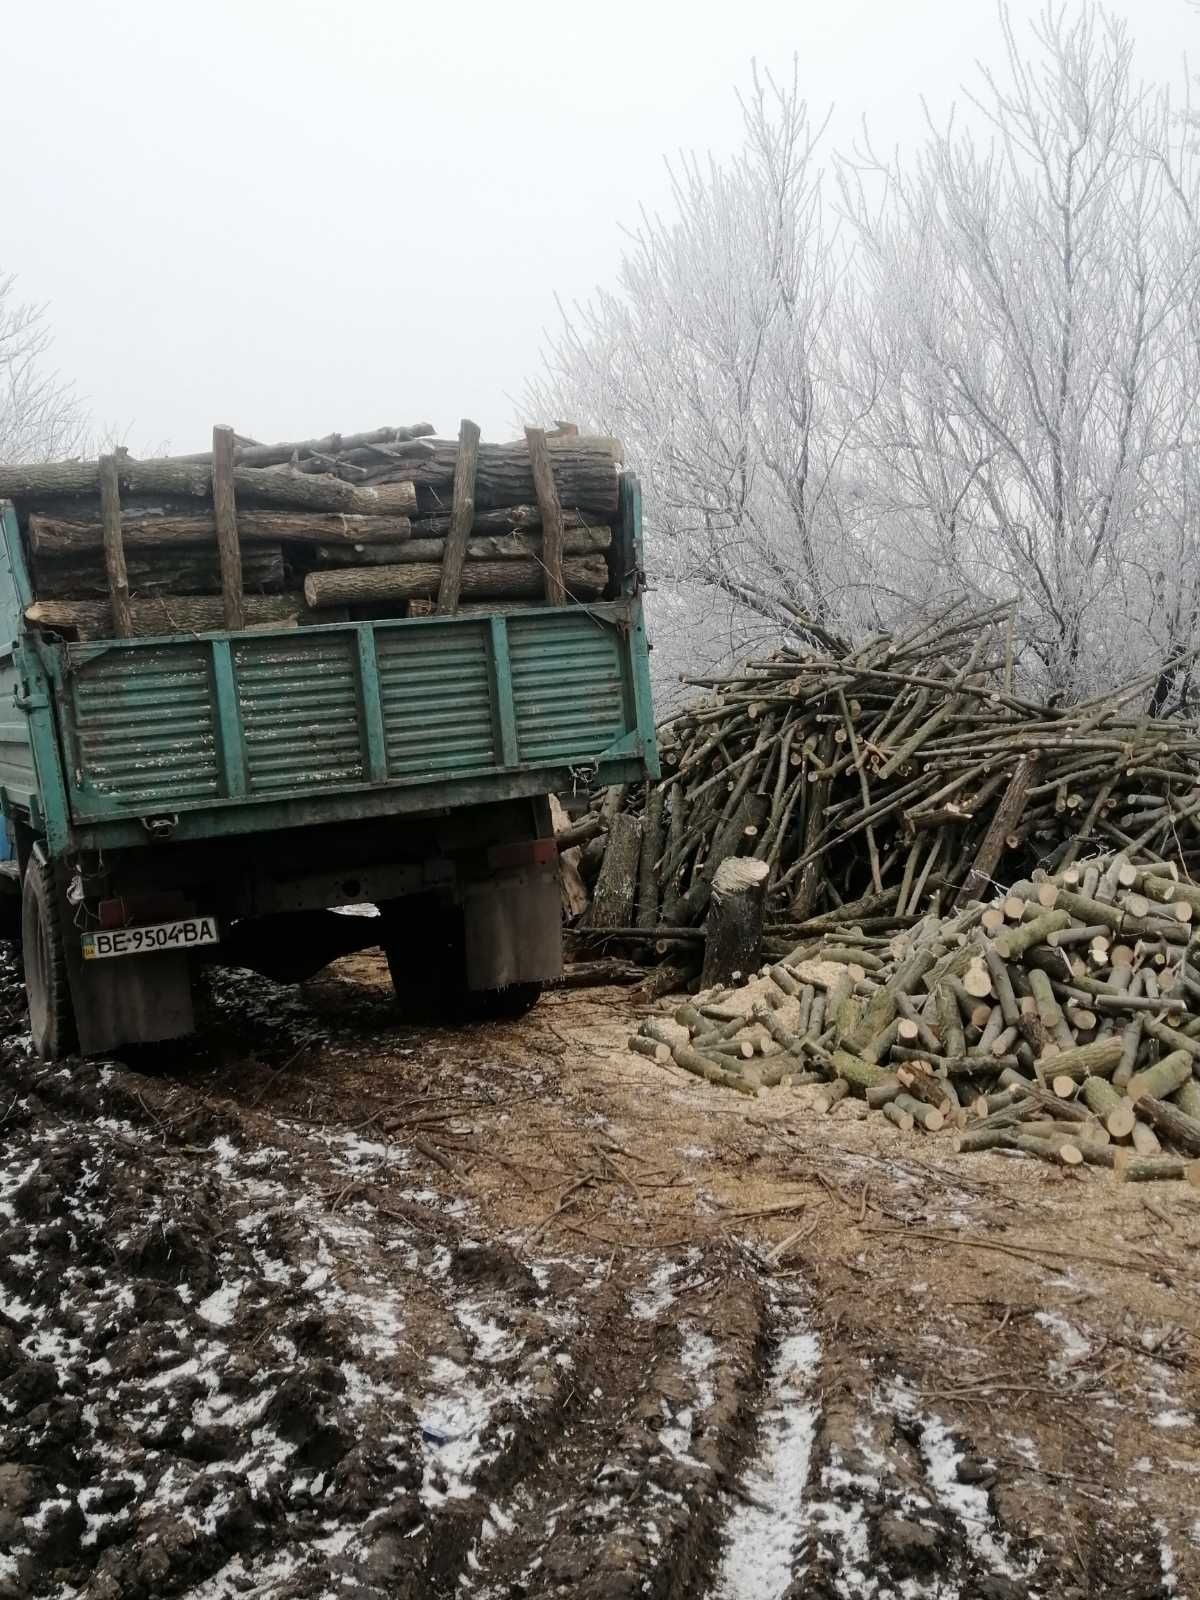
1061, 1021
388, 523
878, 786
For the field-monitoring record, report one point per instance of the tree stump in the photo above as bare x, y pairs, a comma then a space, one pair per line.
733, 929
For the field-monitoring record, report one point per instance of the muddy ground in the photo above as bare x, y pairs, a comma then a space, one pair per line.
321, 1304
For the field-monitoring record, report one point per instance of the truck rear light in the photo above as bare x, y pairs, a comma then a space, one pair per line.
527, 853
112, 913
124, 911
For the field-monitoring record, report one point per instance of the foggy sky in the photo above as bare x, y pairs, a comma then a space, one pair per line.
296, 217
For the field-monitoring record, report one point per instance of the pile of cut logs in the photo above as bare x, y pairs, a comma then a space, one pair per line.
880, 785
1061, 1021
387, 523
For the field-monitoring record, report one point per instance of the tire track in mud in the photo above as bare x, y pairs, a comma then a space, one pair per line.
629, 1497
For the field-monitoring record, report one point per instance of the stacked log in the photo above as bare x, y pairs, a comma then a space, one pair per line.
903, 779
1060, 1022
317, 528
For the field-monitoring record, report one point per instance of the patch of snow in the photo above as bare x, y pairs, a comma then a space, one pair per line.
220, 1306
845, 1528
1172, 1419
16, 1310
658, 1293
492, 1343
1166, 1558
1075, 1346
966, 1501
763, 1533
237, 1581
452, 1421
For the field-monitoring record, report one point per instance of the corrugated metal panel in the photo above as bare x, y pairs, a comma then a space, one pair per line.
300, 714
435, 686
144, 725
16, 754
567, 686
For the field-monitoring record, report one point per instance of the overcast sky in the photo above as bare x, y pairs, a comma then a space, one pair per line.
295, 217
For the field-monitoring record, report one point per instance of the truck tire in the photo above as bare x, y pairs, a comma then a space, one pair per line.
423, 942
51, 1018
501, 1005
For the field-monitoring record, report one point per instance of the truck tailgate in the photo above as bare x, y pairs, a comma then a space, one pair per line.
222, 730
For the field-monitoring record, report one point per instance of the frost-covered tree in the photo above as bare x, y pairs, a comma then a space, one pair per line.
982, 383
40, 416
1034, 302
715, 361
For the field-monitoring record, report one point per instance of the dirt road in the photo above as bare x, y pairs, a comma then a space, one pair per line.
322, 1305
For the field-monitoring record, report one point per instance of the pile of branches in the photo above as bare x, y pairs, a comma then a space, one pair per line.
884, 783
1062, 1022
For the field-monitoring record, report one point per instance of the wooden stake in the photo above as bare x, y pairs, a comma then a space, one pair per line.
462, 515
229, 551
114, 549
552, 517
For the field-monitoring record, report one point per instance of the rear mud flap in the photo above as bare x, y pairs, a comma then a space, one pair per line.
513, 926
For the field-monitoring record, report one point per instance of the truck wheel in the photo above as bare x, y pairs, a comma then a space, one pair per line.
422, 941
501, 1005
51, 1019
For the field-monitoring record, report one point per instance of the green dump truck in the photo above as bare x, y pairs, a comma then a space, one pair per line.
196, 796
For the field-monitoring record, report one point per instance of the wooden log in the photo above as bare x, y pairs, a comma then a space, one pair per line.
831, 1095
580, 832
853, 1069
897, 1116
652, 846
1180, 1128
1161, 1079
462, 514
114, 549
271, 487
93, 619
552, 518
57, 536
733, 927
1097, 1059
1014, 942
1157, 1169
187, 569
929, 1117
994, 842
650, 1047
671, 977
249, 454
586, 576
503, 520
515, 546
229, 551
616, 887
690, 1059
585, 472
1114, 1109
1145, 1140
194, 479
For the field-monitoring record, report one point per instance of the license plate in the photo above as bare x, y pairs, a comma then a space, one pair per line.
183, 935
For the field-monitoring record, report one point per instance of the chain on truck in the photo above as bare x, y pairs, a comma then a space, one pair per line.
249, 689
